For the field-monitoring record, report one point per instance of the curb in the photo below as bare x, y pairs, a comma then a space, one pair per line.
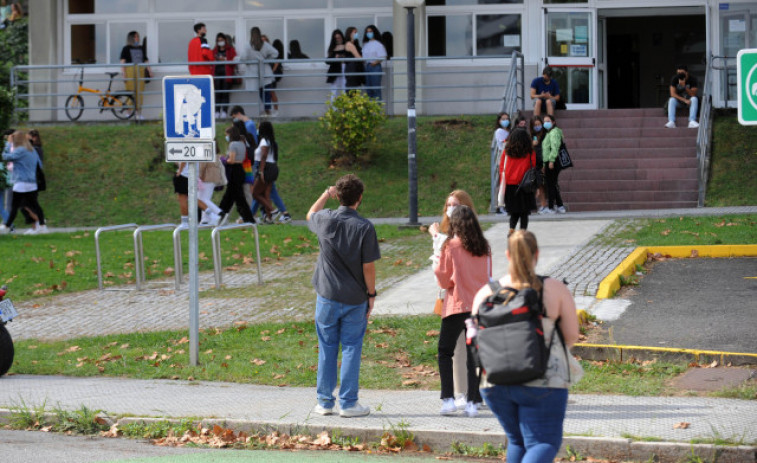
441, 441
588, 351
611, 283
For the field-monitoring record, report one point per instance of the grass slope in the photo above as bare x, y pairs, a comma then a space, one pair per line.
734, 164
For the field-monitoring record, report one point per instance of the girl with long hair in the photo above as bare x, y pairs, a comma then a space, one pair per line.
464, 266
550, 150
537, 137
374, 53
336, 52
25, 161
234, 193
537, 406
520, 157
266, 155
224, 73
355, 70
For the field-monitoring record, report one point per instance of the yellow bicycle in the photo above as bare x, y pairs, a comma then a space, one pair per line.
121, 103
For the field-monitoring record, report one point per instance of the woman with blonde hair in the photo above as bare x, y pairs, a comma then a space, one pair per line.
532, 413
19, 149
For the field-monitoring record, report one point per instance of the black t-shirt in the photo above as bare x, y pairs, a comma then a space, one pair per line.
132, 54
220, 55
691, 82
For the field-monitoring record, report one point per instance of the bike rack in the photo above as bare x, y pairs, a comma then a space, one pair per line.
177, 261
216, 239
139, 259
98, 232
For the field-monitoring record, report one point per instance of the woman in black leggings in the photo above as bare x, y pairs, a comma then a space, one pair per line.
234, 193
519, 157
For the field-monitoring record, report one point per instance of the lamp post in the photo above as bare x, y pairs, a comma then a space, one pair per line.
412, 166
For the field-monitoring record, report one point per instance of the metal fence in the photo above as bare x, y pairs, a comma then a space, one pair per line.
446, 85
704, 135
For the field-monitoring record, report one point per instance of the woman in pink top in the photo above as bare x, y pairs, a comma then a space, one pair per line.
464, 267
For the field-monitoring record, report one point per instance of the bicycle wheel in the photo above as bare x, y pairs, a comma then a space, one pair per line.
74, 107
123, 106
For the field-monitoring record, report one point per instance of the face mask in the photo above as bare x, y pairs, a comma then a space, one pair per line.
547, 125
227, 138
221, 43
369, 35
356, 36
235, 120
136, 42
505, 124
450, 210
537, 128
681, 75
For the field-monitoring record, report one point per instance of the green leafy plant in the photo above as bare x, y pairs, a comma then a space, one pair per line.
157, 429
486, 450
25, 416
350, 123
339, 438
573, 454
82, 421
401, 433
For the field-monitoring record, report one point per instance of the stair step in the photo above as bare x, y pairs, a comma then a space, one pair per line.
576, 175
628, 205
629, 185
631, 153
641, 142
626, 112
610, 196
615, 122
635, 164
576, 133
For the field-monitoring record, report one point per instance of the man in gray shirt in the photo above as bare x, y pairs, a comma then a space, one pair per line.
345, 283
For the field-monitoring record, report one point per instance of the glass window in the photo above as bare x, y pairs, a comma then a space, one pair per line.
173, 40
164, 6
88, 44
118, 32
283, 4
363, 3
309, 33
385, 24
568, 34
273, 28
497, 34
470, 2
214, 27
361, 22
450, 35
106, 6
565, 1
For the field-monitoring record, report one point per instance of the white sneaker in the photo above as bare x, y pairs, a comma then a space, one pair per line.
448, 407
460, 401
42, 229
31, 231
693, 124
218, 115
285, 218
224, 115
542, 210
549, 210
4, 229
561, 210
670, 125
354, 411
471, 410
275, 113
321, 410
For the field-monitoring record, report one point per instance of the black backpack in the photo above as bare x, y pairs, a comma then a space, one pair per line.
509, 346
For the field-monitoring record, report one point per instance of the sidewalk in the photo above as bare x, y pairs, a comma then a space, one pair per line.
600, 426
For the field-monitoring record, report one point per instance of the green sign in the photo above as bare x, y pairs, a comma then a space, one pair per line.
746, 65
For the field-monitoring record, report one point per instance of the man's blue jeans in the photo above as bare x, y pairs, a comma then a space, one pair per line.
532, 418
337, 323
673, 105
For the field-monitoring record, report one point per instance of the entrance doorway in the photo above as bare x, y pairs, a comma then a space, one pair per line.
642, 53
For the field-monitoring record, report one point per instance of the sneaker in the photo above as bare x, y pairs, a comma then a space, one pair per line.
4, 229
223, 218
275, 113
31, 231
693, 124
42, 229
670, 125
501, 210
549, 210
218, 115
471, 410
275, 214
460, 401
268, 220
542, 210
354, 411
448, 407
561, 210
224, 115
321, 410
285, 218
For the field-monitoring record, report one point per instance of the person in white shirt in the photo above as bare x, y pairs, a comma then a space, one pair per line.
373, 53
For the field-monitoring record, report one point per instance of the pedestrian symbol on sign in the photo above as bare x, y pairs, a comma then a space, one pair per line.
187, 116
188, 103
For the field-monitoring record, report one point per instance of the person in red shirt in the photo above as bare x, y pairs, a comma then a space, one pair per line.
520, 155
199, 51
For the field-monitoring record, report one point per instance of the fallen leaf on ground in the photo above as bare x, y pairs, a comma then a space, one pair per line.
681, 425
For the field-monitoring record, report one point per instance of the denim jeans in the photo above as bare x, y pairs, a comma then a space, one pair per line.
3, 207
532, 418
673, 105
337, 323
266, 97
373, 80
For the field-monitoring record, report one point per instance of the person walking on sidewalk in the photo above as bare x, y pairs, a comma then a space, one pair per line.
520, 157
532, 413
345, 283
24, 177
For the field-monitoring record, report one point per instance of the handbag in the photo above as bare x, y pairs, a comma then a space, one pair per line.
531, 180
563, 157
438, 306
41, 182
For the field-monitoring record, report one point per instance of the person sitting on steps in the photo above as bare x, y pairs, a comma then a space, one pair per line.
545, 92
683, 91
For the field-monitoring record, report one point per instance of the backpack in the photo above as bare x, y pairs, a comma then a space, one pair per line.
509, 346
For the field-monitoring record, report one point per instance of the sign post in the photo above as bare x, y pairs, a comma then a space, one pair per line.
746, 66
190, 128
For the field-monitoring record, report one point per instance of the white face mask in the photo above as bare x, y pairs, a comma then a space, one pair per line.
221, 43
227, 138
450, 210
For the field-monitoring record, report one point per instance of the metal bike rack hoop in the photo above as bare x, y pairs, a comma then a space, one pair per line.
139, 260
98, 232
177, 260
216, 238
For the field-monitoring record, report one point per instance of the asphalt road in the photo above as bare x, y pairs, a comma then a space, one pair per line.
702, 303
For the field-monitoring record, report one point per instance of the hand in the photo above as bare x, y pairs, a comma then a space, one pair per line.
370, 307
434, 229
551, 165
331, 192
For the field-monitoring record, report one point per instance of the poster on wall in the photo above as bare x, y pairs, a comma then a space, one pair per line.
582, 34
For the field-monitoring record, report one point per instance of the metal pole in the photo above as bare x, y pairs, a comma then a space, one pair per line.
412, 168
194, 306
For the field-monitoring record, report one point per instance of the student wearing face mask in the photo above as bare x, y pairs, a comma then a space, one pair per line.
550, 150
234, 194
501, 132
537, 137
224, 73
199, 51
354, 70
374, 53
134, 52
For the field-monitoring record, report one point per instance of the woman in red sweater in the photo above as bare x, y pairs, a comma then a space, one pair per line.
520, 157
464, 267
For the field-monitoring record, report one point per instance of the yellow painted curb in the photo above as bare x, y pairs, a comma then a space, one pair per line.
611, 283
696, 353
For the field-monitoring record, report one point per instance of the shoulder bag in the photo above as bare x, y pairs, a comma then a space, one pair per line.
563, 157
531, 180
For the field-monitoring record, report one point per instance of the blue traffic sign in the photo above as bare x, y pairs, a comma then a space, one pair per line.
188, 103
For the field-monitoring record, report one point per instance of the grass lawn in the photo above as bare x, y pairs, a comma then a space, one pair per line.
734, 164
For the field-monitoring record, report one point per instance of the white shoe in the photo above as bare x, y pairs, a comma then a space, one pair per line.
542, 210
354, 411
31, 231
693, 124
471, 410
218, 115
670, 125
448, 407
561, 210
285, 218
224, 115
42, 229
275, 113
461, 401
4, 229
321, 410
548, 211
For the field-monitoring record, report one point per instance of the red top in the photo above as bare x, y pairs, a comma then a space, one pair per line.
515, 168
231, 52
196, 53
462, 274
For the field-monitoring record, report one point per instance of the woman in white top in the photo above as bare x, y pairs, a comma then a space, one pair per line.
266, 154
373, 53
259, 50
532, 413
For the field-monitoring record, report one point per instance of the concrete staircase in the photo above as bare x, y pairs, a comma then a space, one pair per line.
626, 159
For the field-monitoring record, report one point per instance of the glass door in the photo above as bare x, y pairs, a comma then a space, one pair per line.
736, 33
570, 49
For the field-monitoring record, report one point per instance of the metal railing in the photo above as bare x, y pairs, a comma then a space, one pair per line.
446, 85
215, 237
704, 137
178, 263
98, 232
726, 66
139, 252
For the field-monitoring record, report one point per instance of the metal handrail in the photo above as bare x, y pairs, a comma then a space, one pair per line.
177, 257
215, 237
139, 258
98, 232
704, 136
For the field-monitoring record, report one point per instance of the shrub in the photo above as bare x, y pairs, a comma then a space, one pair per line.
350, 123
